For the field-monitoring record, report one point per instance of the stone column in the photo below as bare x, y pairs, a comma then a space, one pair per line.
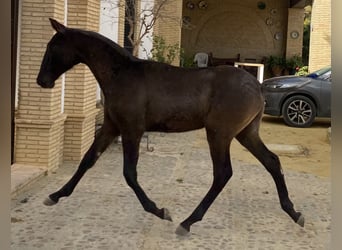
320, 37
294, 43
80, 87
169, 26
39, 122
121, 21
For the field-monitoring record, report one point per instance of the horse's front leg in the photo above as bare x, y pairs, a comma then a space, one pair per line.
131, 154
103, 138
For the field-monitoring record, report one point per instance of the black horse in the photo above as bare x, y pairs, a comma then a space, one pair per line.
142, 95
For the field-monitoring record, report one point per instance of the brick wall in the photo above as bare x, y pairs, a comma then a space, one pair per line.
320, 40
44, 135
39, 123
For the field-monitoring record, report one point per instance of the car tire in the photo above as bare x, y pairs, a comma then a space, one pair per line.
299, 111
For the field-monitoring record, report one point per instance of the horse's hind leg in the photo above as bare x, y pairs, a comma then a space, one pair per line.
219, 151
103, 138
130, 143
250, 139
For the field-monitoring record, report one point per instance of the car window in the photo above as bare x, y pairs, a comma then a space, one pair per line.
326, 76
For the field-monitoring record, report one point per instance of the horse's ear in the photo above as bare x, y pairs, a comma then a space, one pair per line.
60, 28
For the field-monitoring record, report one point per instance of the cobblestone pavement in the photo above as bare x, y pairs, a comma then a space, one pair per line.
103, 212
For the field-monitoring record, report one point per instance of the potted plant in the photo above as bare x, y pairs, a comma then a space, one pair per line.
293, 64
276, 65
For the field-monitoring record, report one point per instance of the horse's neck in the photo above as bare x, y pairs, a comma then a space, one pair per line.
101, 54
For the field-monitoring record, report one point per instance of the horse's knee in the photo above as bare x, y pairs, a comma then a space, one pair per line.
273, 159
272, 163
130, 177
89, 159
222, 178
93, 153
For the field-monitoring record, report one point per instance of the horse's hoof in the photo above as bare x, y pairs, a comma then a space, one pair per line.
49, 202
181, 231
301, 221
167, 215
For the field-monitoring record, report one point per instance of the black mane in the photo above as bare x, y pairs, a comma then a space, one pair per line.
101, 38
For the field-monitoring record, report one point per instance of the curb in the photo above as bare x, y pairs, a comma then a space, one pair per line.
24, 175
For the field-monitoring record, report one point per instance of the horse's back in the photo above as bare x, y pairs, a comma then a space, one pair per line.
224, 85
185, 99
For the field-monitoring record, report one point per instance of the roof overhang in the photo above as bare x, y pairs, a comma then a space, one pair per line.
297, 3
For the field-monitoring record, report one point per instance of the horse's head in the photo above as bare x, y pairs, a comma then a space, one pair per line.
60, 56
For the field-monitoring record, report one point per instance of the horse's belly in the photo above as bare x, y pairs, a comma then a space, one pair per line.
175, 125
176, 115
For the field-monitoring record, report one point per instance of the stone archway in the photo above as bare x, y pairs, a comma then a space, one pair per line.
236, 27
231, 37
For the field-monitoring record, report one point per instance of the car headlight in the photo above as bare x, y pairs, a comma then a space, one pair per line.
289, 83
281, 86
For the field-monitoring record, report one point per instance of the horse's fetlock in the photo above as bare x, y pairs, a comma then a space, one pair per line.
287, 206
151, 207
66, 192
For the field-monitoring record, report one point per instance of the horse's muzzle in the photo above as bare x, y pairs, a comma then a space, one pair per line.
44, 82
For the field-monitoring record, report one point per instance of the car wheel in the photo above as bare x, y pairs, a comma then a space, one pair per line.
299, 111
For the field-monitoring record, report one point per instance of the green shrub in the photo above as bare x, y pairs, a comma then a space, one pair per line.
303, 71
161, 52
